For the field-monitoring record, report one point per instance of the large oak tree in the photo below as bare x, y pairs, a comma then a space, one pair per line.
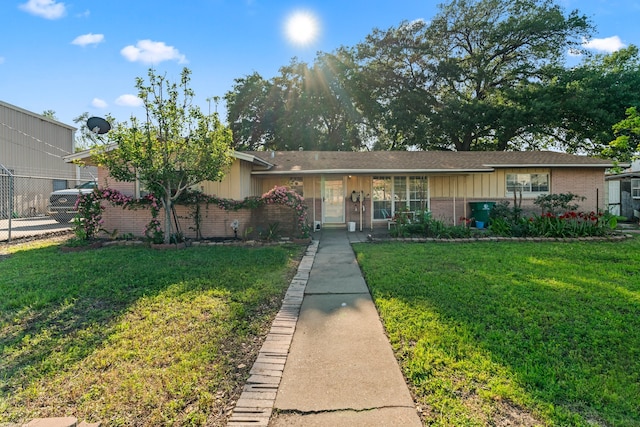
468, 79
481, 75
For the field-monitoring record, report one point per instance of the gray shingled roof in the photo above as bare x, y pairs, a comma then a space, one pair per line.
307, 162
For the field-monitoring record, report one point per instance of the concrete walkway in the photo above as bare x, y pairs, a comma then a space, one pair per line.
340, 369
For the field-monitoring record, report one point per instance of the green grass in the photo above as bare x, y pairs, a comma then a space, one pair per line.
531, 333
133, 336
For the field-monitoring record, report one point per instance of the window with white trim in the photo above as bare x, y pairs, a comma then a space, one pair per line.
635, 188
392, 193
528, 182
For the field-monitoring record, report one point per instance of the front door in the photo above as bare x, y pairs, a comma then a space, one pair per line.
333, 201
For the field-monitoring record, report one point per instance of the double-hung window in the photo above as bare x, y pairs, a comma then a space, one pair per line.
635, 188
528, 183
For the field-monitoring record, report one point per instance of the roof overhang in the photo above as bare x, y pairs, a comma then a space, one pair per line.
252, 159
556, 165
369, 171
622, 176
86, 154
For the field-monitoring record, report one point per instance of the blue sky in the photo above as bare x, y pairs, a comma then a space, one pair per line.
74, 56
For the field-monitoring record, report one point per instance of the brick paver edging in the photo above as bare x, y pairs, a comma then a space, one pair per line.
255, 405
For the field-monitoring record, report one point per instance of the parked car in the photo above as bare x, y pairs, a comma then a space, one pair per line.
62, 203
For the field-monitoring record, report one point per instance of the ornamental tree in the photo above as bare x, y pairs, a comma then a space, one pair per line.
174, 148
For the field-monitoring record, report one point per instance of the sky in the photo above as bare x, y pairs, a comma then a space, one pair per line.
77, 56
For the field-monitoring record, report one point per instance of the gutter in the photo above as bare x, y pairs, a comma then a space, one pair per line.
367, 171
558, 165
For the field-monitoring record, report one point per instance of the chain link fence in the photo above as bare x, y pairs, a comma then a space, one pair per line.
25, 205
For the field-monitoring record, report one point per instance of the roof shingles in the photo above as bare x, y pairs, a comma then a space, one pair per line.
287, 162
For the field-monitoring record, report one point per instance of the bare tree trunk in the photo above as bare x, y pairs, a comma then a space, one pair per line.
167, 218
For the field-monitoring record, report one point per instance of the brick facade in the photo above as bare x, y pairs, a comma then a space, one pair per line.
214, 223
583, 182
449, 198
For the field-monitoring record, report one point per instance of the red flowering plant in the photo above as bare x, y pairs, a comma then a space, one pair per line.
572, 224
466, 221
559, 218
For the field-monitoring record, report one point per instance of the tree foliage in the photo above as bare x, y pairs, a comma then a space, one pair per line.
626, 145
591, 98
301, 108
480, 75
50, 114
467, 80
176, 147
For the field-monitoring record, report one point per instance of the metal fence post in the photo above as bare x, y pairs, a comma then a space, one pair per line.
10, 198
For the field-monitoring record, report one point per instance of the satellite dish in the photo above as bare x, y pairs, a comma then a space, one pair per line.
98, 125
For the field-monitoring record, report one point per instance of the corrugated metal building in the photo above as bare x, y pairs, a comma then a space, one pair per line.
34, 145
32, 148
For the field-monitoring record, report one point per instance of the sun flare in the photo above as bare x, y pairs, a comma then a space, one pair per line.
302, 28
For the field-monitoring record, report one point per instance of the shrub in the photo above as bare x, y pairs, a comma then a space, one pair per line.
88, 220
555, 203
506, 221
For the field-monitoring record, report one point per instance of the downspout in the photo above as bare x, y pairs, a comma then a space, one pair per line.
455, 191
361, 197
464, 197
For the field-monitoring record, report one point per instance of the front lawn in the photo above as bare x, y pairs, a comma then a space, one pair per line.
513, 333
133, 336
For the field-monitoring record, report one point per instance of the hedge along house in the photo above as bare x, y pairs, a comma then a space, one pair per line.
365, 189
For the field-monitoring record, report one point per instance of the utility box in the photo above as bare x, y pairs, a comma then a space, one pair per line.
352, 226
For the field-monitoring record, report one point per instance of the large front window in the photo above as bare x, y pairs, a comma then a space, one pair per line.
394, 193
528, 182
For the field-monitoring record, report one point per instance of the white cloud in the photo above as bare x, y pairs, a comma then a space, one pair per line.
48, 9
1, 59
99, 103
129, 100
607, 44
87, 39
150, 52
